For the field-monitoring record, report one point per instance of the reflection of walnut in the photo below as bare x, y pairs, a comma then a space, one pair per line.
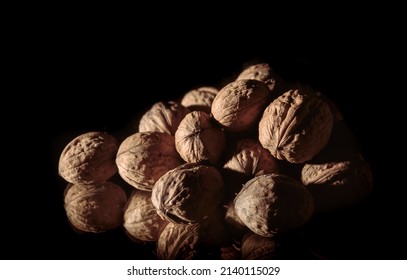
145, 156
256, 247
197, 139
273, 204
89, 158
190, 241
337, 179
163, 117
199, 99
296, 125
141, 220
238, 105
188, 193
95, 208
261, 72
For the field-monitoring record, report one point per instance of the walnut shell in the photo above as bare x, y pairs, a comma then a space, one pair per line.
89, 159
296, 126
197, 139
261, 72
163, 117
199, 99
337, 179
273, 204
190, 241
256, 247
144, 157
233, 222
141, 220
95, 208
239, 104
249, 159
178, 241
188, 193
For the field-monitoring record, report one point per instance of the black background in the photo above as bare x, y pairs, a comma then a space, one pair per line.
84, 76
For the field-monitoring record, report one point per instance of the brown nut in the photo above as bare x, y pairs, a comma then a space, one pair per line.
273, 204
250, 159
337, 179
188, 193
89, 159
199, 99
296, 126
144, 157
141, 220
163, 117
261, 72
198, 140
256, 247
190, 241
239, 104
95, 208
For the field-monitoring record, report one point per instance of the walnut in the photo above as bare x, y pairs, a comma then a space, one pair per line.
249, 159
337, 179
233, 222
296, 125
141, 220
238, 105
178, 241
95, 208
197, 139
256, 247
260, 72
199, 99
273, 204
163, 117
89, 159
144, 157
188, 193
190, 241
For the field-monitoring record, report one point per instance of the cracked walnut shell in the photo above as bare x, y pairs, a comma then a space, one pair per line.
296, 126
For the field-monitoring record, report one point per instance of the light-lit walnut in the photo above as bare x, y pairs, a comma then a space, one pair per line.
144, 157
200, 99
239, 104
296, 126
261, 72
163, 117
198, 139
89, 159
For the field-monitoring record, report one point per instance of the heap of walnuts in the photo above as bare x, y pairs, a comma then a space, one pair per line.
220, 173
